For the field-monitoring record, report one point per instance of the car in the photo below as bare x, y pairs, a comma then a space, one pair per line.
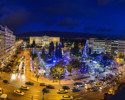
14, 71
5, 81
19, 92
50, 87
78, 84
45, 90
110, 91
24, 87
62, 91
1, 91
67, 97
6, 69
29, 83
98, 85
42, 84
65, 87
75, 89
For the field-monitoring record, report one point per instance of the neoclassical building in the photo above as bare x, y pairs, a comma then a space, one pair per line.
44, 40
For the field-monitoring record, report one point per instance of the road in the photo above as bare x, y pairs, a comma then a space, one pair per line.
17, 79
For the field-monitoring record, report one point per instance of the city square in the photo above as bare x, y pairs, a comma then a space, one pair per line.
62, 50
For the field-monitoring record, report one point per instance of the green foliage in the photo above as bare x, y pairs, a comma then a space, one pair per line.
34, 56
58, 69
75, 63
70, 68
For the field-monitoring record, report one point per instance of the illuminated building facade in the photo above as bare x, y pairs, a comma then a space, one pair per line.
44, 40
7, 43
108, 46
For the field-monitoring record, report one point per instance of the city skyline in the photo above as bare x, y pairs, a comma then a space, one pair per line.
104, 17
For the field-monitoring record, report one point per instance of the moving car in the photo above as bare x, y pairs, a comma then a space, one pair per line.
19, 92
29, 83
50, 87
65, 87
62, 91
1, 91
66, 97
5, 81
78, 84
24, 87
75, 89
42, 84
45, 90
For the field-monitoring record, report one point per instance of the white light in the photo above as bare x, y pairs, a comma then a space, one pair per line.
13, 77
23, 77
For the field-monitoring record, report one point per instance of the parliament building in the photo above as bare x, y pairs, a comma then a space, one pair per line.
44, 40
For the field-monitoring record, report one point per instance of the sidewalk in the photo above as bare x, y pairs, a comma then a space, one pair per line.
31, 76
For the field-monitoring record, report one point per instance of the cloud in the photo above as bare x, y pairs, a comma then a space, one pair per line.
69, 22
13, 18
104, 30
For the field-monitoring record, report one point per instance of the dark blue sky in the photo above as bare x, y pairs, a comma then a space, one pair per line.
106, 17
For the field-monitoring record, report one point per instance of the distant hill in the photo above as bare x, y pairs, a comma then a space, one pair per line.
62, 35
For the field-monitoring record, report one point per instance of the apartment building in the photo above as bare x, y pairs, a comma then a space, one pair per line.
7, 43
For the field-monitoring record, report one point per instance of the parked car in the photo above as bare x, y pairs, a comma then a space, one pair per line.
65, 87
50, 87
67, 97
75, 89
45, 90
19, 92
62, 91
5, 81
29, 83
42, 84
1, 91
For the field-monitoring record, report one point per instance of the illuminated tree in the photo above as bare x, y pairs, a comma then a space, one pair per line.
70, 68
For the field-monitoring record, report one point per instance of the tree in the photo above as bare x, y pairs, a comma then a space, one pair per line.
59, 52
43, 53
34, 55
33, 44
75, 50
70, 68
57, 71
56, 51
51, 49
75, 63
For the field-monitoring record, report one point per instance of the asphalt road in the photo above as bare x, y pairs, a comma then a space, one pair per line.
16, 80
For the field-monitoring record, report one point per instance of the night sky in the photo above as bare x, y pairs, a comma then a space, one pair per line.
106, 17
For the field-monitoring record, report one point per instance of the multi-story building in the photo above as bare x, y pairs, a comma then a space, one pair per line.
98, 46
44, 40
7, 43
108, 46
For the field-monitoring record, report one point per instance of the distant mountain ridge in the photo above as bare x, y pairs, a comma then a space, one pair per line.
62, 35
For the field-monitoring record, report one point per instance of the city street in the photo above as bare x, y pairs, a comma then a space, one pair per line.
35, 91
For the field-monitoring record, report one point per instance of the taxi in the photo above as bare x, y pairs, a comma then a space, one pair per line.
24, 87
67, 97
62, 91
19, 92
